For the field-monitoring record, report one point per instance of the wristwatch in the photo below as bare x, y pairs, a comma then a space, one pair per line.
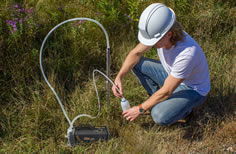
141, 109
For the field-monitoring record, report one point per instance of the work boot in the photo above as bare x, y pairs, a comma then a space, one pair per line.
186, 119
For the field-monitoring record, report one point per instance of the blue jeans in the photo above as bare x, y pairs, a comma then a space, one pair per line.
152, 75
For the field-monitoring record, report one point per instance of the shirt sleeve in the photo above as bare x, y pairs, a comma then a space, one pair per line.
183, 66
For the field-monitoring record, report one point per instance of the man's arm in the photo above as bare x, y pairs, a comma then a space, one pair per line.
170, 84
130, 61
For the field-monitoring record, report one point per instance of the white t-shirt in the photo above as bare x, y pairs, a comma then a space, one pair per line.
187, 61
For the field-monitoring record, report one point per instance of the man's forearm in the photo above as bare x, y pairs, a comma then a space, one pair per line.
132, 59
170, 84
156, 98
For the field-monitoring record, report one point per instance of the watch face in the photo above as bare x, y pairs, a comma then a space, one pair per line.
141, 110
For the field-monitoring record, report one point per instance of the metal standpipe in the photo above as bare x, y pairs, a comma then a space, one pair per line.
108, 75
107, 67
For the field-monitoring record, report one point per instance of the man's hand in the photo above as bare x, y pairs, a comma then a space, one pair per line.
114, 89
132, 113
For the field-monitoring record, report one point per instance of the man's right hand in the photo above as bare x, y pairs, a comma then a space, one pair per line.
114, 89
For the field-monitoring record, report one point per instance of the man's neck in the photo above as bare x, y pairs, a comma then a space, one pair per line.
168, 45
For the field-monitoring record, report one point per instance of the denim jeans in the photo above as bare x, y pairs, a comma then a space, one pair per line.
152, 75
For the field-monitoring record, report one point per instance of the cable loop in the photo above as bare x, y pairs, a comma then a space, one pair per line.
45, 78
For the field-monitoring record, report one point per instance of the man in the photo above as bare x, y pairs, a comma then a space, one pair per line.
179, 81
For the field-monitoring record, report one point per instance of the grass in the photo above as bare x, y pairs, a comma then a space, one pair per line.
31, 119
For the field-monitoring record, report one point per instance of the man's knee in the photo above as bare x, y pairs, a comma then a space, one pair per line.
160, 118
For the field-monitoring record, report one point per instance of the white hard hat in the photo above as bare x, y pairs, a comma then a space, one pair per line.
155, 21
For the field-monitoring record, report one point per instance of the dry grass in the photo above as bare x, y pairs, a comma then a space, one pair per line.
32, 121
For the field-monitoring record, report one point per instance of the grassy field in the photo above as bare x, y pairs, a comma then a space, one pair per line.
31, 120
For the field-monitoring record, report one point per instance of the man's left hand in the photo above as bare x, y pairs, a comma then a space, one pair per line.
132, 113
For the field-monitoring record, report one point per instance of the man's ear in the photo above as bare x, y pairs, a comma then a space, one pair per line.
169, 34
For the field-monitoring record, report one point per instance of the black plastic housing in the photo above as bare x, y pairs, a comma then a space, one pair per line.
88, 134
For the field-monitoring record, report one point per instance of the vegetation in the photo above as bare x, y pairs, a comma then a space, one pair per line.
31, 121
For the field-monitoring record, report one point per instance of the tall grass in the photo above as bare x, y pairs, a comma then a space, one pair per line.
31, 119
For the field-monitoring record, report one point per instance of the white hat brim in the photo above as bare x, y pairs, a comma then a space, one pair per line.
147, 42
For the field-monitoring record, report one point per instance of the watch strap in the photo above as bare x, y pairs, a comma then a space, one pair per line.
141, 109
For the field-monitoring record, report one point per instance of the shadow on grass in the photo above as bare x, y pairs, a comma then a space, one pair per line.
212, 113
